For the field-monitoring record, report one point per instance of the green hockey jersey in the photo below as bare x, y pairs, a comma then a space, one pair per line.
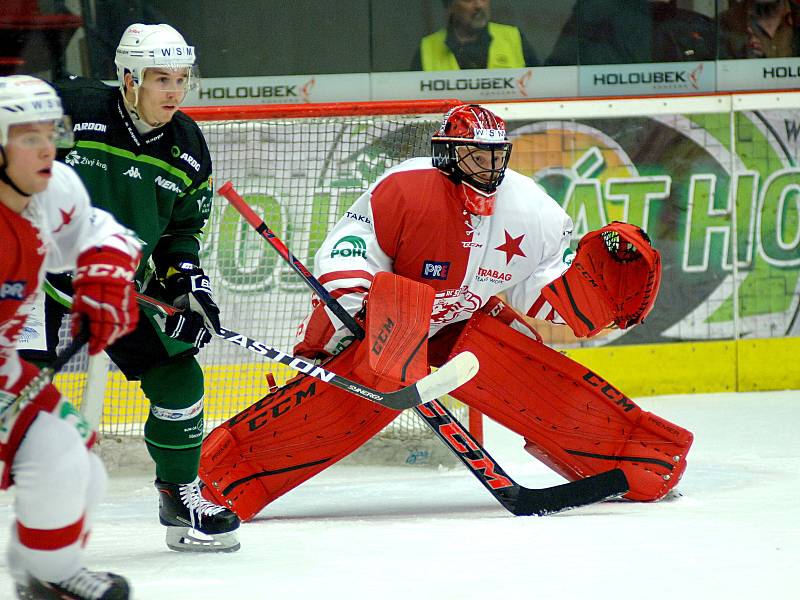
158, 184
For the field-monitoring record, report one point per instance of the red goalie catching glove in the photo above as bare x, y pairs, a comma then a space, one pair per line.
104, 294
614, 278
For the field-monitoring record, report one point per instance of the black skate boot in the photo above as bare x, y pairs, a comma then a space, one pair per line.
84, 585
193, 523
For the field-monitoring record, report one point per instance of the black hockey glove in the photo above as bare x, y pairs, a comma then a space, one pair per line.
188, 288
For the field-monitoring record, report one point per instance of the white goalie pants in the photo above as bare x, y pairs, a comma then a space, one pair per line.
58, 483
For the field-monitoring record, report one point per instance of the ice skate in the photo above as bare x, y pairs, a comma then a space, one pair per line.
84, 585
193, 523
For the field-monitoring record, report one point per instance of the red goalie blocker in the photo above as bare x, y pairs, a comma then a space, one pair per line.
614, 278
306, 426
572, 419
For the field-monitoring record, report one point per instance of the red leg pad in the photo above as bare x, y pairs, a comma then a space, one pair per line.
286, 438
571, 418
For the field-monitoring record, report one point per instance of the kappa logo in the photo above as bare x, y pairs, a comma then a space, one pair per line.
133, 172
350, 246
432, 269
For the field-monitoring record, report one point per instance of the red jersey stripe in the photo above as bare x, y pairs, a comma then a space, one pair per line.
334, 275
50, 539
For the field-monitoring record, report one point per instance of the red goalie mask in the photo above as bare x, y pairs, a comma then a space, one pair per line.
471, 147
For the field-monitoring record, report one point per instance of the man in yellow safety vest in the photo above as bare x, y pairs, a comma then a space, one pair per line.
471, 41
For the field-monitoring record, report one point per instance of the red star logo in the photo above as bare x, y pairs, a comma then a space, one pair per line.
66, 218
511, 246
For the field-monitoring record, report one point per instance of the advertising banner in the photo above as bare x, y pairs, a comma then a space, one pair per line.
758, 74
726, 218
647, 79
478, 84
289, 89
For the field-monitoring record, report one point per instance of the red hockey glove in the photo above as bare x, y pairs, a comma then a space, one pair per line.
104, 294
316, 337
498, 309
614, 278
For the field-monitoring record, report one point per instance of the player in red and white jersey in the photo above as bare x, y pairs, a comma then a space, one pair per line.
48, 224
471, 228
464, 224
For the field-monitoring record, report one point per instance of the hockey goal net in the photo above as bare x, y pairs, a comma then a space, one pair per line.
300, 167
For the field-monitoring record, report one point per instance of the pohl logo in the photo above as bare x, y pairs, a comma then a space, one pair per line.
348, 246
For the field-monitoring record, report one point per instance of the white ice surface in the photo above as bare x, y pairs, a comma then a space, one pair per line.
417, 534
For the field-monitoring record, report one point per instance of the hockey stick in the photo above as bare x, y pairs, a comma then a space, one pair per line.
456, 372
515, 498
44, 377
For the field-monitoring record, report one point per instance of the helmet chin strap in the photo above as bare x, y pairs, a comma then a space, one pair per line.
6, 179
142, 126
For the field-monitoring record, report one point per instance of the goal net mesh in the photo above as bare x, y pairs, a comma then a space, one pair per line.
300, 174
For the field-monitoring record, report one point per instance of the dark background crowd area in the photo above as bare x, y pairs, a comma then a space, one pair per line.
272, 37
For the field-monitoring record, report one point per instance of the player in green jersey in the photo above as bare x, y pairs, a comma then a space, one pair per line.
148, 164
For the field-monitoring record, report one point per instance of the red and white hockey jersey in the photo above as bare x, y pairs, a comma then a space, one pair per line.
412, 222
56, 227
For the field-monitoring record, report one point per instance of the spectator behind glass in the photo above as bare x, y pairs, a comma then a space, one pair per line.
604, 32
760, 29
471, 41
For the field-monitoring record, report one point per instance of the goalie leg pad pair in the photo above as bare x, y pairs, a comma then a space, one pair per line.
571, 418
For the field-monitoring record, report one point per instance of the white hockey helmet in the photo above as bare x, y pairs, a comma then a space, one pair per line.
147, 46
26, 99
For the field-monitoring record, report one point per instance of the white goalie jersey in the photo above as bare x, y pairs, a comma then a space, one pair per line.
412, 222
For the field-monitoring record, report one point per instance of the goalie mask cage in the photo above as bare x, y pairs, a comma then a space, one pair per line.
300, 167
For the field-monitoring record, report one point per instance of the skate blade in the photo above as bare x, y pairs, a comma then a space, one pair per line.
186, 539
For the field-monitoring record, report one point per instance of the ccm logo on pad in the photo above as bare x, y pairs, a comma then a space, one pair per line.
435, 270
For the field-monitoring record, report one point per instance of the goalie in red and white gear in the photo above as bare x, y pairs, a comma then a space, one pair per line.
469, 227
47, 224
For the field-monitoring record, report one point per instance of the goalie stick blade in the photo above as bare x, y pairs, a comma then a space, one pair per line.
451, 375
454, 373
547, 501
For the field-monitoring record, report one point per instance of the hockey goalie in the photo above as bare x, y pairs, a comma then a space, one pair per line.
425, 252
